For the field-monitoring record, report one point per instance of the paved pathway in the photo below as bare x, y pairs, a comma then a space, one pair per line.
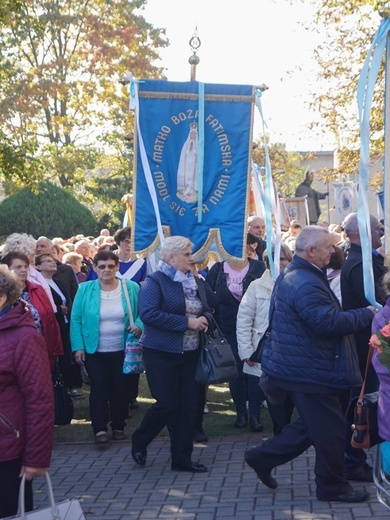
111, 487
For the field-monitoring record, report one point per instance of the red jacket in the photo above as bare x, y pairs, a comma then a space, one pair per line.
51, 330
26, 391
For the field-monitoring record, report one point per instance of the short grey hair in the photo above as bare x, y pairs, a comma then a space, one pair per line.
283, 247
351, 225
81, 242
20, 242
174, 246
309, 236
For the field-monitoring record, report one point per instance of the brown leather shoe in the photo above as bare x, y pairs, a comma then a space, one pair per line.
118, 435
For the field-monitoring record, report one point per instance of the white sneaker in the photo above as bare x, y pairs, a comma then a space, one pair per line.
206, 409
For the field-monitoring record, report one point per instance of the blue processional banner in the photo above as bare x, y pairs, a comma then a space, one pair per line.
179, 127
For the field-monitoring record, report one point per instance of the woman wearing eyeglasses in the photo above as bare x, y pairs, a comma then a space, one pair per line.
129, 269
39, 305
98, 333
46, 264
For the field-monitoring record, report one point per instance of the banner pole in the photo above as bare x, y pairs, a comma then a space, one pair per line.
385, 13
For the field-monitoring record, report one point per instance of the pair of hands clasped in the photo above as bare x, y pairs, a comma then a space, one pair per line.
199, 324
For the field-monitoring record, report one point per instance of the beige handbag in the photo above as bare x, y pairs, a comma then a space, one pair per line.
66, 510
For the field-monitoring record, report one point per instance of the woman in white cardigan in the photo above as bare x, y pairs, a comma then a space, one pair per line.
252, 323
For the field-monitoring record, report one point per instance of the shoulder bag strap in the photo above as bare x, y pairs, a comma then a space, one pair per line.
127, 298
362, 390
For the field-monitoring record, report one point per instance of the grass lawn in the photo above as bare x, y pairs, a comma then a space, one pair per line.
216, 423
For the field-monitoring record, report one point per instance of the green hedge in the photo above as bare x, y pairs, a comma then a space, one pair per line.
51, 211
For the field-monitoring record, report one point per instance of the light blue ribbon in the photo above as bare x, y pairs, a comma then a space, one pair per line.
200, 148
365, 92
268, 192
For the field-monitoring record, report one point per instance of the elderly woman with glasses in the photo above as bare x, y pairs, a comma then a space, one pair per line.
99, 325
172, 306
39, 305
46, 264
129, 269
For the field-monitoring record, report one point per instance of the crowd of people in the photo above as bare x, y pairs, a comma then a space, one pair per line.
72, 296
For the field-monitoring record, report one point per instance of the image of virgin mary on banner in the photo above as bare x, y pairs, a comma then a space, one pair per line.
192, 165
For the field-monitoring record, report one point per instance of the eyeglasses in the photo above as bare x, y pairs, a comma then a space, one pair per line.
108, 266
48, 260
127, 242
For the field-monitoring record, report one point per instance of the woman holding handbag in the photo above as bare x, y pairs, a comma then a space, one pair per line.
99, 325
229, 280
26, 398
172, 305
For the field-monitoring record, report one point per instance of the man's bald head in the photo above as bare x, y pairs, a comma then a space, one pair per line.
256, 226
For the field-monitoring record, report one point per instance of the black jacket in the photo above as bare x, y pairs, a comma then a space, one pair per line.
352, 291
226, 304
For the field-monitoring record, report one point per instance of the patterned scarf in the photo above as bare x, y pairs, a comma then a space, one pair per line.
186, 279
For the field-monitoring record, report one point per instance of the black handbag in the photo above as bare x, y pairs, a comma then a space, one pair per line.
216, 363
258, 353
63, 403
362, 414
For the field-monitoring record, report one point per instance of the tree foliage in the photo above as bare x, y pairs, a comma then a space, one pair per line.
60, 63
350, 27
51, 212
287, 168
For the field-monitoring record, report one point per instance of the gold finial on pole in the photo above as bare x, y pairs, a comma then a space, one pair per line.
384, 11
195, 43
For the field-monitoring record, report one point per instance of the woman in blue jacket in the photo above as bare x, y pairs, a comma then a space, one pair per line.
99, 327
172, 304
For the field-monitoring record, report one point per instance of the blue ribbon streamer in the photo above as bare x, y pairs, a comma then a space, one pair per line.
200, 148
365, 91
268, 192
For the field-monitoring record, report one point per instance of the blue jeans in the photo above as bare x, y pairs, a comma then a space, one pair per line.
238, 387
255, 396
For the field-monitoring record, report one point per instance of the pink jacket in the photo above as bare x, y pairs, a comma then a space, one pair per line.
26, 391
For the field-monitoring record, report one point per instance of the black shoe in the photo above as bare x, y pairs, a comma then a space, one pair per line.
192, 467
139, 456
255, 425
362, 473
241, 421
265, 478
200, 436
350, 496
74, 394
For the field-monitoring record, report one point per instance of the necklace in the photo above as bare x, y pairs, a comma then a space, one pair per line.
108, 294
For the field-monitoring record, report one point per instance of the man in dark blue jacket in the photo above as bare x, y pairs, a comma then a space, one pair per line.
311, 355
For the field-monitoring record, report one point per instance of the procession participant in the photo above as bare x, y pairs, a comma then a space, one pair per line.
311, 355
